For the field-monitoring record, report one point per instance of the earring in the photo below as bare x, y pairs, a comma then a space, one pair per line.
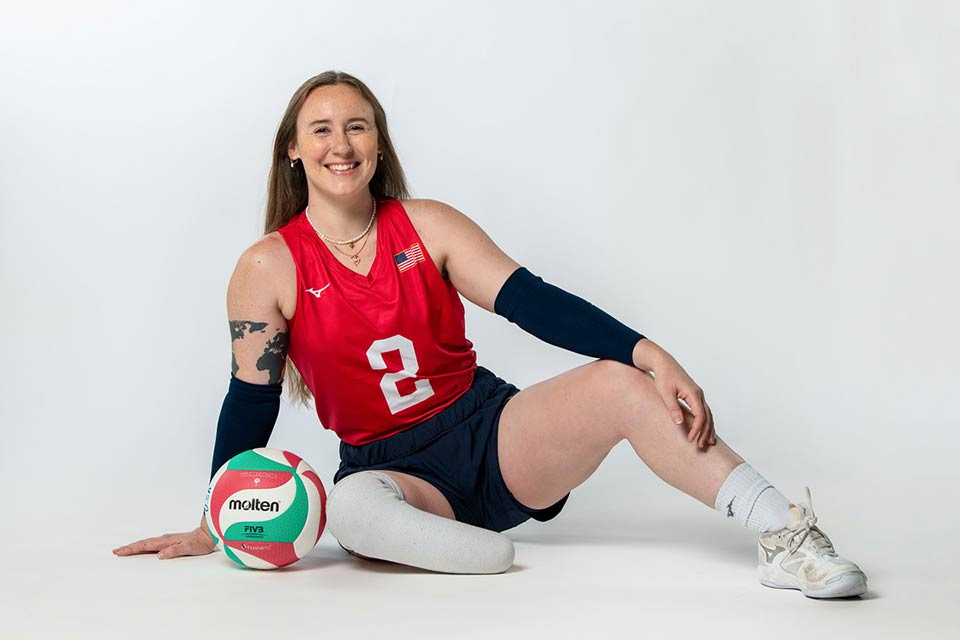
293, 162
380, 154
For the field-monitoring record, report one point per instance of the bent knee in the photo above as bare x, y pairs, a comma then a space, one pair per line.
621, 382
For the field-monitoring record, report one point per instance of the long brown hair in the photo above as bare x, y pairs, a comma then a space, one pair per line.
287, 187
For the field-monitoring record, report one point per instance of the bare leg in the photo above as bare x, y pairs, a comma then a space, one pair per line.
553, 435
422, 495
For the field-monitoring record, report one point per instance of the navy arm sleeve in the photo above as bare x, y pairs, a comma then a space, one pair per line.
563, 319
247, 417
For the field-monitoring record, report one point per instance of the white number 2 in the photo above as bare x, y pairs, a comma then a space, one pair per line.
388, 383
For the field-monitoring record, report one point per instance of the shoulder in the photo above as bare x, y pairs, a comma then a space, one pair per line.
422, 210
446, 225
436, 223
435, 218
268, 266
269, 253
471, 261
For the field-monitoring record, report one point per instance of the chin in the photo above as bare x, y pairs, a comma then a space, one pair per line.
345, 191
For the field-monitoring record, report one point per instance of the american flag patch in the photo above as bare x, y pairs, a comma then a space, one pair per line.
409, 257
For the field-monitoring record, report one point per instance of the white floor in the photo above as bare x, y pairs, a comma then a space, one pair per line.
669, 568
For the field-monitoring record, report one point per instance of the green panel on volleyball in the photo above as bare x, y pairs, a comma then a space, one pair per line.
250, 461
284, 528
232, 555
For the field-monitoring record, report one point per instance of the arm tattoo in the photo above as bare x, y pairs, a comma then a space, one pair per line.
240, 328
274, 357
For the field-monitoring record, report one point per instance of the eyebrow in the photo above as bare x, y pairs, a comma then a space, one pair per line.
327, 120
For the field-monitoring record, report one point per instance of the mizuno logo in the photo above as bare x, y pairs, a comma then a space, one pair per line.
316, 292
771, 553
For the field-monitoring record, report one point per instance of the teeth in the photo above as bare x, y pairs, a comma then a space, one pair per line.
341, 167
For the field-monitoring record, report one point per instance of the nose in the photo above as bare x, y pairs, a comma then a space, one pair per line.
341, 145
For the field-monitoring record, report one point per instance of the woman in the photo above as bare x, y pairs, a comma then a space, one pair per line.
359, 286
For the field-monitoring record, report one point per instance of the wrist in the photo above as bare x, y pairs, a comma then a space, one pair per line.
204, 530
647, 355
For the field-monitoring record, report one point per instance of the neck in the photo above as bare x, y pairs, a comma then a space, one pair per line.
341, 218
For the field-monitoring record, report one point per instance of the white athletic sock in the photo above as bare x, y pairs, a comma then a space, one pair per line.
748, 498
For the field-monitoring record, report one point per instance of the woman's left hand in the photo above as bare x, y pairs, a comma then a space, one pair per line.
673, 384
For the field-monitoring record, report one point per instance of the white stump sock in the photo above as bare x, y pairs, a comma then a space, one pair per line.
367, 514
747, 497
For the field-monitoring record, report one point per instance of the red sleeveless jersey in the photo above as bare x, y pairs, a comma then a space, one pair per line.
380, 352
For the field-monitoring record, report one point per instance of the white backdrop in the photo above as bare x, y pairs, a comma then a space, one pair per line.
767, 189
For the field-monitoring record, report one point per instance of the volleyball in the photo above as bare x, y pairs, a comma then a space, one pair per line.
266, 507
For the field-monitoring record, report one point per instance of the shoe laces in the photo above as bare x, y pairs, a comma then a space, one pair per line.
805, 531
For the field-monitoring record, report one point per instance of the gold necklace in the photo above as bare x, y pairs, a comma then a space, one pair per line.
350, 242
355, 257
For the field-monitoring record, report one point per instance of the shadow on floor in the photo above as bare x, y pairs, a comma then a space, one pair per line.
718, 537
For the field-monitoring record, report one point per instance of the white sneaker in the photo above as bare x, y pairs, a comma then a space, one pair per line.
800, 556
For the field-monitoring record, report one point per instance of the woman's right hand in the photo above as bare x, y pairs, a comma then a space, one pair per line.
171, 545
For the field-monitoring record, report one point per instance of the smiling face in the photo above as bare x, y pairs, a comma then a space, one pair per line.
336, 141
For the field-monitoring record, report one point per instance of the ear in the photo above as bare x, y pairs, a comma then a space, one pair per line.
292, 151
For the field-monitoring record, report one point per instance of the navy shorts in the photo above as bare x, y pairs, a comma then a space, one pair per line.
455, 451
